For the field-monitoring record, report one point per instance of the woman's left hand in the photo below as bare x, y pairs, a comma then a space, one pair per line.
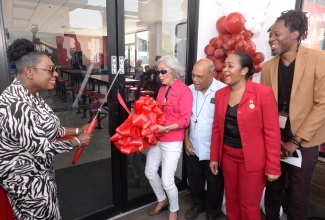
271, 177
161, 129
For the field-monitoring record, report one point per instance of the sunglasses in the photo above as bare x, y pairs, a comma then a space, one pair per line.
162, 71
52, 69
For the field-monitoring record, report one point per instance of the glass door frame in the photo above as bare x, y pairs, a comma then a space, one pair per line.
116, 47
119, 50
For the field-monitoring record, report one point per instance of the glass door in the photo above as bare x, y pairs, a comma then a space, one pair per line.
130, 58
74, 34
155, 28
84, 40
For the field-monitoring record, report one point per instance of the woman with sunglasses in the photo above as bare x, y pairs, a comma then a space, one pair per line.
29, 129
177, 100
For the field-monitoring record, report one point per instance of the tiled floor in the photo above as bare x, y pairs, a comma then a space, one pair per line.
185, 202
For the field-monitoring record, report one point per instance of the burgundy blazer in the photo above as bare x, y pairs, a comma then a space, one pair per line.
258, 124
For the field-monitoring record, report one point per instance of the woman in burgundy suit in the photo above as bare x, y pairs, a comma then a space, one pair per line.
245, 138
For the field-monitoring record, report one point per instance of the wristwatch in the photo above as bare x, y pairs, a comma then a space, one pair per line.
167, 129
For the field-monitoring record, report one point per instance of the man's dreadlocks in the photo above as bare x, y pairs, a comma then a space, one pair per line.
296, 21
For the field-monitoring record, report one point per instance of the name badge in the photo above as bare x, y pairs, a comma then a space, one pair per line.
213, 101
283, 117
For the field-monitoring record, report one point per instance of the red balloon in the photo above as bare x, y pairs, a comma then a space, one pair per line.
212, 40
220, 77
258, 57
223, 58
209, 49
237, 37
229, 44
220, 25
224, 36
234, 22
250, 47
241, 45
224, 50
219, 53
211, 57
246, 34
257, 67
218, 64
231, 51
218, 43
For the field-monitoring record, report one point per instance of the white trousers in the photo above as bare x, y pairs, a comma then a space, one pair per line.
167, 154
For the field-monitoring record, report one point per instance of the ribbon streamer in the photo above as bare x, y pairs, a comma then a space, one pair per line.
137, 132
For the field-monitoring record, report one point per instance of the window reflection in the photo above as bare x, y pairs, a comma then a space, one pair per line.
153, 28
315, 13
74, 35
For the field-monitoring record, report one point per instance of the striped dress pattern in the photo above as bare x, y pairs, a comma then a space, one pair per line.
28, 146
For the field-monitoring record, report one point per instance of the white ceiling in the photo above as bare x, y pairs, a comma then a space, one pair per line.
57, 16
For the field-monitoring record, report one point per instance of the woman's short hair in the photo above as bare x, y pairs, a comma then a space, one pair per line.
246, 60
173, 63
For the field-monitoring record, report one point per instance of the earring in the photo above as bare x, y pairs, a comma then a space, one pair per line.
30, 78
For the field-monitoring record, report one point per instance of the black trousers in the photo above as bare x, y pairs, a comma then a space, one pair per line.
198, 172
299, 181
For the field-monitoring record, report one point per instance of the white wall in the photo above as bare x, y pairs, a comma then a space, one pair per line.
210, 12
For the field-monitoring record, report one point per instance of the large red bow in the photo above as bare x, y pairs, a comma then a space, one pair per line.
137, 132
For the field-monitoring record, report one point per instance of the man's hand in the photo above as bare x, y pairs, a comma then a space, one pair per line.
288, 148
189, 150
214, 167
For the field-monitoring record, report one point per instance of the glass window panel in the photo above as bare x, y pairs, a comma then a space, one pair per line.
159, 28
73, 35
316, 23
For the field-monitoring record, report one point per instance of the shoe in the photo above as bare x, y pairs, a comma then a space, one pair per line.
193, 213
163, 208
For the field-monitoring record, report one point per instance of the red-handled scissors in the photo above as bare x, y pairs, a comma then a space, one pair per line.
93, 122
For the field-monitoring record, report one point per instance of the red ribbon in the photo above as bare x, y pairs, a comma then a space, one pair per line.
65, 138
137, 132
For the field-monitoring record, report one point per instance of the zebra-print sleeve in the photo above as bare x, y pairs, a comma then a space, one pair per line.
61, 131
35, 131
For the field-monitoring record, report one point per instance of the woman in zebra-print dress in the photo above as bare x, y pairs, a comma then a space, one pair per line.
28, 132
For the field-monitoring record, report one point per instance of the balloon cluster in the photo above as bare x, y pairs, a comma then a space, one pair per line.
233, 36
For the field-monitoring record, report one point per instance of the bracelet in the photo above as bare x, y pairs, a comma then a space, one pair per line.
77, 131
295, 142
79, 143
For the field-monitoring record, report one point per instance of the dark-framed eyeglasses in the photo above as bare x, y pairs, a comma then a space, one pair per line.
52, 69
162, 71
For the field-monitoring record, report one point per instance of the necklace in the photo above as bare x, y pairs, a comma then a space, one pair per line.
198, 114
166, 94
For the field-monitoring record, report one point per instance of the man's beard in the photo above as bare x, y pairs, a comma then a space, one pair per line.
276, 53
